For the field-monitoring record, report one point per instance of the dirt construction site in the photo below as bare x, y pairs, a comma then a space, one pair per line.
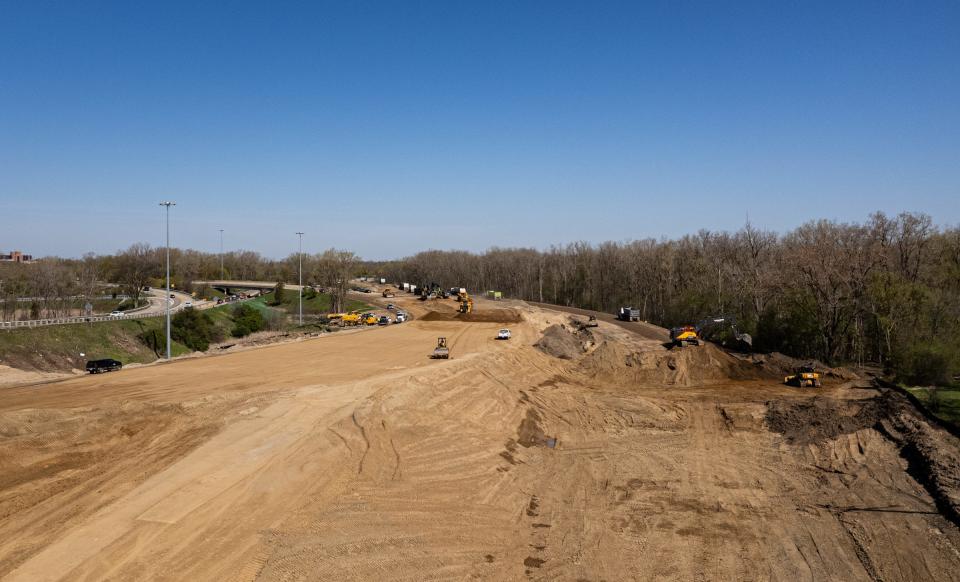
560, 454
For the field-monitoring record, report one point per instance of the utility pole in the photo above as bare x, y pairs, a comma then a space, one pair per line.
300, 260
221, 254
167, 297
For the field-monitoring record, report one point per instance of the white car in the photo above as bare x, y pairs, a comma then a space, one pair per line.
116, 314
188, 304
504, 334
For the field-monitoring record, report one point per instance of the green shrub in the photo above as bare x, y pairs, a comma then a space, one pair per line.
922, 365
154, 339
246, 320
194, 329
278, 297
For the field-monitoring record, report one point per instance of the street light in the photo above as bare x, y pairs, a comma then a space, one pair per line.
167, 297
221, 254
300, 258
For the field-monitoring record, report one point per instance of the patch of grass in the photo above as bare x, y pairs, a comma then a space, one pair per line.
944, 403
320, 304
58, 347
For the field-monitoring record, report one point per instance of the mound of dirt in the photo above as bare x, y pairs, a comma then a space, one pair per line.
689, 366
560, 342
776, 364
485, 316
932, 453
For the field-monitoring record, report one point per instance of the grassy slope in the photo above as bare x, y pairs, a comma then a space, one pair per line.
949, 407
58, 347
319, 305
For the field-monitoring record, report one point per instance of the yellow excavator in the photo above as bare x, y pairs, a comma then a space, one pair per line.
804, 376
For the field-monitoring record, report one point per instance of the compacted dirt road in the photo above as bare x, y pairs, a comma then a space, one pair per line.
355, 457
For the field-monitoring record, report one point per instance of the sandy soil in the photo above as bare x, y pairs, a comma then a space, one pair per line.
355, 457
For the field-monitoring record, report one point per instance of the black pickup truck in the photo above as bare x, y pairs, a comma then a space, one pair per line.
105, 365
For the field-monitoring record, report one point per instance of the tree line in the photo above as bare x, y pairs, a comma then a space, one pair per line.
57, 286
884, 291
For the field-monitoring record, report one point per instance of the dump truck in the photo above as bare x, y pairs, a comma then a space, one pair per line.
441, 352
804, 376
351, 318
466, 304
628, 314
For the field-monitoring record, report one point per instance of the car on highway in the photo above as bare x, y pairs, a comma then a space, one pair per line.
504, 334
116, 313
104, 365
188, 304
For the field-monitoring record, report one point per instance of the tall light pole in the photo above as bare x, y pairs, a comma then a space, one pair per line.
300, 258
221, 254
167, 297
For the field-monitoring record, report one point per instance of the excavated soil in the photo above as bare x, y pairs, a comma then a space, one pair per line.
355, 457
504, 316
563, 343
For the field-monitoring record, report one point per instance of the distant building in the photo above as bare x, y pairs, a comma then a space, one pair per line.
15, 257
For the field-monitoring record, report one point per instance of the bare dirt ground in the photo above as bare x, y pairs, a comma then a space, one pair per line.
355, 457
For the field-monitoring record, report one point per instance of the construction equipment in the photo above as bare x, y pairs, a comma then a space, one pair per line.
369, 319
803, 377
504, 334
441, 352
713, 328
352, 318
685, 334
466, 304
388, 293
628, 314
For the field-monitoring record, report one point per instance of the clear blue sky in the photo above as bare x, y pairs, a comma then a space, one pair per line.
392, 127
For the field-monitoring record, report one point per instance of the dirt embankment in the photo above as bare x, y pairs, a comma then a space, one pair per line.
486, 316
932, 454
615, 362
562, 342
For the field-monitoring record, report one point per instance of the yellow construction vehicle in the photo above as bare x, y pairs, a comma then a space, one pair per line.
441, 352
351, 318
466, 305
686, 334
369, 319
803, 377
388, 293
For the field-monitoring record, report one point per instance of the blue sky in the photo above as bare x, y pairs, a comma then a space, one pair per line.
392, 127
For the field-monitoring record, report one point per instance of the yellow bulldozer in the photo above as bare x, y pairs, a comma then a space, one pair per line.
466, 304
369, 319
804, 376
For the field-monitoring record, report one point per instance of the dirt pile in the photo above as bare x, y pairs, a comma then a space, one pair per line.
932, 453
776, 364
614, 362
485, 316
560, 342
